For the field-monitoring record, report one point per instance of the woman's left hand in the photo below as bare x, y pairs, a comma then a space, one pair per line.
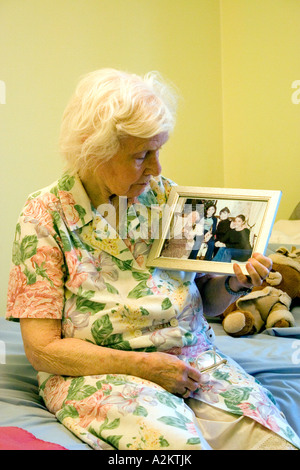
258, 267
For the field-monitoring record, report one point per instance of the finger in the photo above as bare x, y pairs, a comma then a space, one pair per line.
244, 280
263, 260
256, 273
186, 393
192, 385
256, 280
193, 374
258, 268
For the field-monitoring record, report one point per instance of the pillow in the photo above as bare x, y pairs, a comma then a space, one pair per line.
286, 231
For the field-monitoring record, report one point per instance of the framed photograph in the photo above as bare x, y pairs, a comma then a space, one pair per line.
210, 229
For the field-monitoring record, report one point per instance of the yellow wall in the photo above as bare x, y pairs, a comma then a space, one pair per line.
234, 62
261, 124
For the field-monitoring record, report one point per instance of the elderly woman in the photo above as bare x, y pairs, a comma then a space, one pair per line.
124, 354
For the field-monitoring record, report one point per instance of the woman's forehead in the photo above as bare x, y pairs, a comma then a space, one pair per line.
139, 144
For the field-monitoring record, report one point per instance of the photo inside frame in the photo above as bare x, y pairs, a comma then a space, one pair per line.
220, 230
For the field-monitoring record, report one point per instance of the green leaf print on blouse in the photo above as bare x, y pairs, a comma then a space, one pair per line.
85, 305
66, 183
166, 303
102, 333
79, 391
181, 422
24, 250
168, 399
140, 290
68, 411
81, 212
107, 426
234, 396
123, 265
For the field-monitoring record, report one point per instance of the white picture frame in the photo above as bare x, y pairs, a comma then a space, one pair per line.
179, 243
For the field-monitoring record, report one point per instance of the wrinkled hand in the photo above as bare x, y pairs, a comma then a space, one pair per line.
171, 373
258, 267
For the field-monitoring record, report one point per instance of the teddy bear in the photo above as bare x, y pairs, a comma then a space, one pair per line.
269, 305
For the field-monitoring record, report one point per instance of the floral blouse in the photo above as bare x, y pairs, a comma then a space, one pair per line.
69, 263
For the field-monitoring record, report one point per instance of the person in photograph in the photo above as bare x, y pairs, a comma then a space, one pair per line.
119, 346
236, 242
210, 226
223, 224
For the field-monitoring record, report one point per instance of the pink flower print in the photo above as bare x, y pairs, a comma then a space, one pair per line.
249, 410
67, 328
140, 250
158, 338
100, 269
152, 285
49, 260
74, 319
93, 407
192, 428
209, 389
76, 276
105, 269
268, 413
55, 392
68, 204
131, 397
16, 286
37, 211
262, 412
39, 300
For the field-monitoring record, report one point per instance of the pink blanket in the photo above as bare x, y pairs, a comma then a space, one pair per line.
14, 438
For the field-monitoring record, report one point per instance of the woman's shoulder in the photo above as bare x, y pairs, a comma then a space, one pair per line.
64, 199
44, 197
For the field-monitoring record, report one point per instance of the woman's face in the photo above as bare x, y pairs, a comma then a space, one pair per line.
223, 215
210, 211
129, 171
238, 222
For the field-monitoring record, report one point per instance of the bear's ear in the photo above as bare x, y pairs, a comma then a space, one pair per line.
274, 278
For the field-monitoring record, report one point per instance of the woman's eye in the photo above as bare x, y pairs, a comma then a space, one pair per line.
141, 158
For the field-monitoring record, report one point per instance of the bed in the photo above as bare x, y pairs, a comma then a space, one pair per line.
272, 357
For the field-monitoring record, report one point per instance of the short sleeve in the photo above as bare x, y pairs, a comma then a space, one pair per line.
35, 287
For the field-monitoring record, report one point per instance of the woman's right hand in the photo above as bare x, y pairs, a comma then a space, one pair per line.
171, 373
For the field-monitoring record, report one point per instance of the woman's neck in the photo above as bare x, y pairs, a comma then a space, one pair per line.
95, 191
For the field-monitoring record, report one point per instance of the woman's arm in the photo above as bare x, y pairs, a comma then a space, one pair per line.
48, 352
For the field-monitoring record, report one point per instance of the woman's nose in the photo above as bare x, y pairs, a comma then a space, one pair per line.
154, 166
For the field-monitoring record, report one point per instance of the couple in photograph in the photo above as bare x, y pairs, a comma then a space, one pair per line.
225, 238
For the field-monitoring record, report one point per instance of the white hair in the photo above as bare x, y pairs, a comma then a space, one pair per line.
109, 104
